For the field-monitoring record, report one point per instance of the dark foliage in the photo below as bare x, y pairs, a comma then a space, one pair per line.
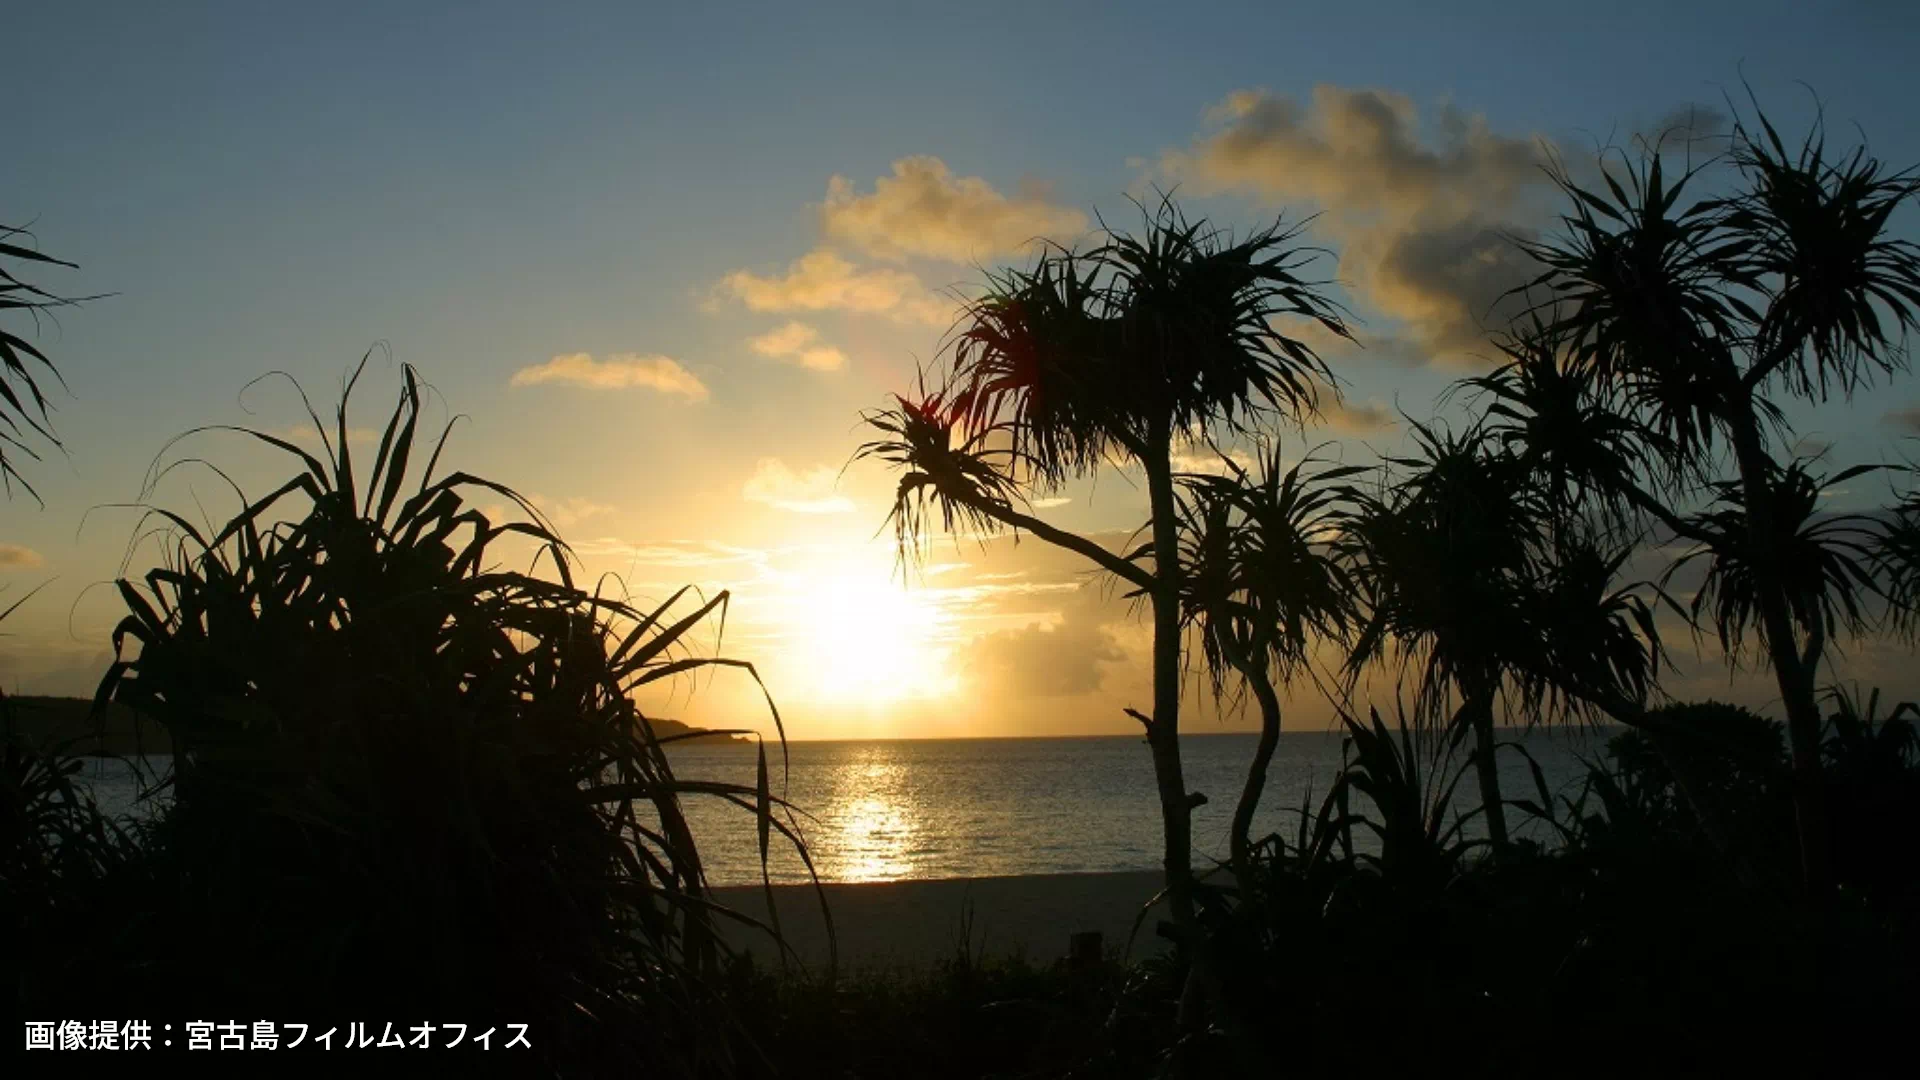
404, 782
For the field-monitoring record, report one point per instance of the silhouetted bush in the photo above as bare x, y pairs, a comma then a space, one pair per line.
405, 783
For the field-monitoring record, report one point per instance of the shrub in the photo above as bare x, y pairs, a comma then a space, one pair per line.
408, 782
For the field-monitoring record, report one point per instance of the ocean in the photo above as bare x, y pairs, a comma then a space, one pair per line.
900, 809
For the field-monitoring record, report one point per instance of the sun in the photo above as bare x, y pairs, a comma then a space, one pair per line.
855, 638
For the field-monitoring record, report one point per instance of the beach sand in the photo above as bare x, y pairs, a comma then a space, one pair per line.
909, 924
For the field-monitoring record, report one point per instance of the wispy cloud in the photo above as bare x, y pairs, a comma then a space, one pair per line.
822, 280
565, 513
1210, 462
677, 554
17, 557
925, 210
1906, 420
798, 343
620, 371
775, 484
1357, 419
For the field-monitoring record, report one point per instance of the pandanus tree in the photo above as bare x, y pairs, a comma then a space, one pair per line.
1118, 354
1586, 461
1446, 553
1896, 558
402, 773
24, 418
1690, 317
1263, 587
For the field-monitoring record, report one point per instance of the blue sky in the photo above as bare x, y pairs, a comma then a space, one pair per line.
486, 188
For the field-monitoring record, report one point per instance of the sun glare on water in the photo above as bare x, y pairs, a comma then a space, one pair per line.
858, 639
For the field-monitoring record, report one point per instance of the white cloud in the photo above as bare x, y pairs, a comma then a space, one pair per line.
824, 281
923, 209
798, 343
617, 372
1050, 502
779, 486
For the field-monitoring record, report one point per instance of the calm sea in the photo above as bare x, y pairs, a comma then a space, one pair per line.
884, 810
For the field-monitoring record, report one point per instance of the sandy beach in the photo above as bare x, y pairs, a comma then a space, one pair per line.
913, 923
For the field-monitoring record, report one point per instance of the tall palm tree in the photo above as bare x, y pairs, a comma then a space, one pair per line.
1688, 315
1263, 585
1446, 557
1120, 353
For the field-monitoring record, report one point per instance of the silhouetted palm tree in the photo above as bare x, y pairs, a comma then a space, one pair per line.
1446, 558
1118, 354
1684, 317
1263, 585
23, 405
1896, 557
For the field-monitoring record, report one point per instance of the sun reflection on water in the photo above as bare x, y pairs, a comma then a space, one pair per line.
874, 821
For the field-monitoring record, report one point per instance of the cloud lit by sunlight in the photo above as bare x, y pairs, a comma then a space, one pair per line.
923, 209
798, 343
617, 372
777, 485
823, 281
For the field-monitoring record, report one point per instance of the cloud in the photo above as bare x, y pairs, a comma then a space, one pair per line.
620, 371
824, 281
565, 513
1208, 461
1703, 126
796, 342
1050, 502
1354, 419
1812, 446
923, 209
811, 492
1906, 419
1424, 212
678, 554
1065, 653
17, 557
307, 435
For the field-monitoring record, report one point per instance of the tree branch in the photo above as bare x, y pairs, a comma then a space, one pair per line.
1676, 524
1106, 560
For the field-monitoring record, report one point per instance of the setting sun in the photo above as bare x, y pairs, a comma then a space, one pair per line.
860, 639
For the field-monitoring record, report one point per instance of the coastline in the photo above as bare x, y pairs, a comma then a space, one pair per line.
915, 923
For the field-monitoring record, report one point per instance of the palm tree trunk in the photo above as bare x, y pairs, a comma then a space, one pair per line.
1488, 768
1163, 734
1253, 669
1793, 672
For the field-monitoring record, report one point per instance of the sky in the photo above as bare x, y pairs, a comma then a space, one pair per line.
660, 260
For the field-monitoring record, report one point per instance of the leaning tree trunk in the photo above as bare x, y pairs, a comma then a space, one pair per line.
1793, 672
1253, 668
